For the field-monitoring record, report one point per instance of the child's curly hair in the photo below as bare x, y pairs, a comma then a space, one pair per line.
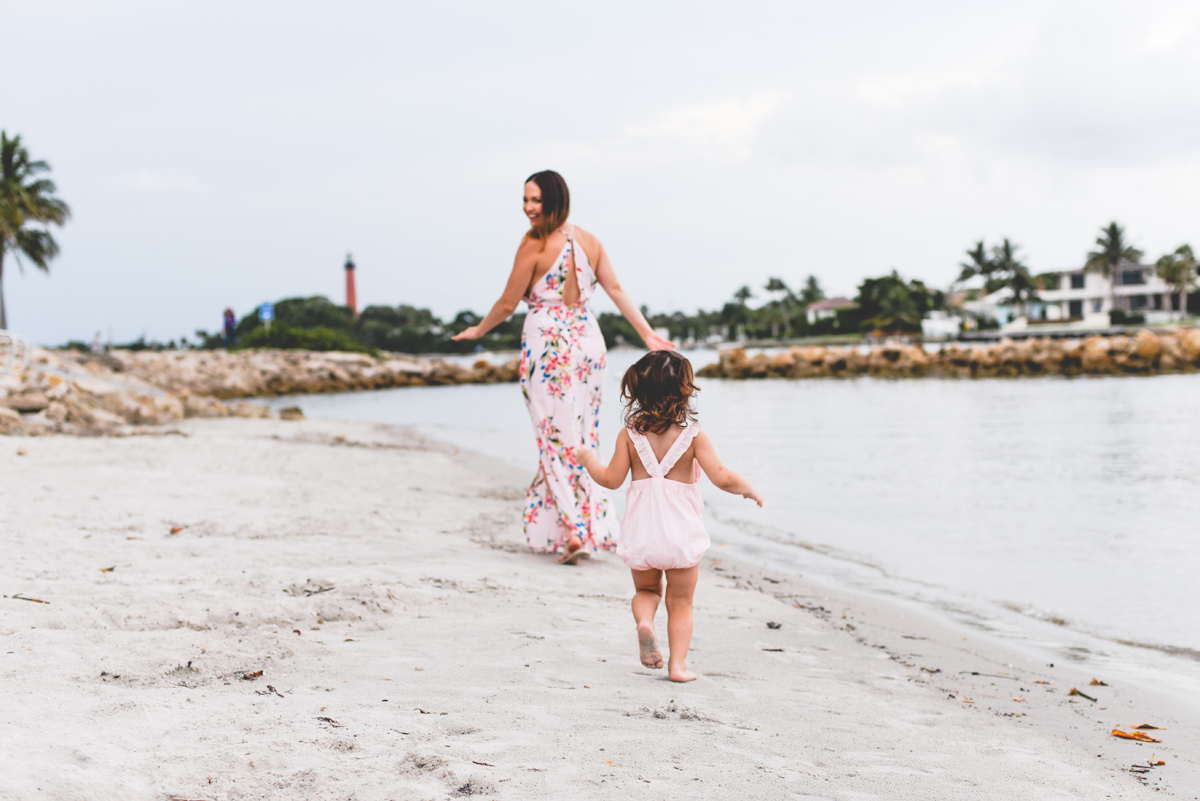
658, 392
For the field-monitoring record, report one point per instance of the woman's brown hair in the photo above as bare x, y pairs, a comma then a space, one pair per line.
658, 392
556, 203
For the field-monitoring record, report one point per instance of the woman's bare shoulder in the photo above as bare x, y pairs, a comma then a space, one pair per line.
590, 244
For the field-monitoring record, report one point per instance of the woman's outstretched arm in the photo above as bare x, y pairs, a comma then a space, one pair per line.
608, 279
611, 475
720, 475
514, 290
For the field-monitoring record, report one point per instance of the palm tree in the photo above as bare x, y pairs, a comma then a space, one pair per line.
1112, 250
1016, 275
778, 311
979, 264
777, 286
897, 309
25, 199
812, 292
742, 295
1179, 270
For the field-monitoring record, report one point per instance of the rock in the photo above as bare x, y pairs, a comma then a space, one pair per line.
249, 410
27, 402
57, 412
1189, 343
291, 413
10, 421
200, 406
1095, 358
1146, 344
782, 362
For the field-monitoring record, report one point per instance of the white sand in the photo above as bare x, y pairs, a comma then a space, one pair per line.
126, 685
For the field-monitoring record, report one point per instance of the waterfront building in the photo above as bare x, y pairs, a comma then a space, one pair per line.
828, 309
1083, 299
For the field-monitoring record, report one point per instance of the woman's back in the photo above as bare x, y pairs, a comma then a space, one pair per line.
569, 280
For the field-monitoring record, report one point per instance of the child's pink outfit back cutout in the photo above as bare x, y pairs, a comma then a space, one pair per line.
662, 528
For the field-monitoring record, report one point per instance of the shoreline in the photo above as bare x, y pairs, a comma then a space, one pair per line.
1145, 353
136, 670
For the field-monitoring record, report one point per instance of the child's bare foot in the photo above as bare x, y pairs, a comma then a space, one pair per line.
648, 646
681, 674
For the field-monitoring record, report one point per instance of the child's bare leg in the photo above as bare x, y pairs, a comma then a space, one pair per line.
648, 586
681, 585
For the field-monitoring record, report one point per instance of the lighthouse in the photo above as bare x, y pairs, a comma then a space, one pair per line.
351, 297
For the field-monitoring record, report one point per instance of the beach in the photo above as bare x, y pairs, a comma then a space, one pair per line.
410, 647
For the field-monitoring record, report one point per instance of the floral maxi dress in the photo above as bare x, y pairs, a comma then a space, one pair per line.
562, 378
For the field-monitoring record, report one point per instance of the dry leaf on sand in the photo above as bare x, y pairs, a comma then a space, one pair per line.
1135, 735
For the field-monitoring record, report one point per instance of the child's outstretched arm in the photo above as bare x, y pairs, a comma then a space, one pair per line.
611, 475
720, 475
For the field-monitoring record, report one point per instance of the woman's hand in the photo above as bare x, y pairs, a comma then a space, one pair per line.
474, 332
655, 342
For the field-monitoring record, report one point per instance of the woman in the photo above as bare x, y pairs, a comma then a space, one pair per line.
562, 366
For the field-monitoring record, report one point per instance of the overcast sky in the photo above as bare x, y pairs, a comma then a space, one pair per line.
224, 153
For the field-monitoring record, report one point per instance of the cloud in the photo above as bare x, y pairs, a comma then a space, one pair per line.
158, 182
723, 130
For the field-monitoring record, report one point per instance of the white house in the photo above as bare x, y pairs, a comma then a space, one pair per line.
940, 325
1083, 299
828, 308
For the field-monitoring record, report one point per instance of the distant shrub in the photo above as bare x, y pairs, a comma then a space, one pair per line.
287, 338
1122, 317
301, 313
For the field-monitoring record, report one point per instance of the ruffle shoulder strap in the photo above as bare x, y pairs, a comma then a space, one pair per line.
682, 442
645, 453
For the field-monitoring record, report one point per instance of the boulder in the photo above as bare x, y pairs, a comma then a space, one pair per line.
10, 421
57, 412
1146, 344
1189, 343
27, 401
1095, 357
249, 410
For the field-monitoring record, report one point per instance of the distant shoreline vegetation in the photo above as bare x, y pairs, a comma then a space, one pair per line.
888, 303
316, 323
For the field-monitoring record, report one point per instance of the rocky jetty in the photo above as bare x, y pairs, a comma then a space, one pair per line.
123, 392
259, 373
1146, 353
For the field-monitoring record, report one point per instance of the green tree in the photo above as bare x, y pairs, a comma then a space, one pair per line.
1179, 270
742, 295
26, 199
812, 292
1112, 250
892, 304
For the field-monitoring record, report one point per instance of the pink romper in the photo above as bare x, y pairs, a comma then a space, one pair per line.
662, 529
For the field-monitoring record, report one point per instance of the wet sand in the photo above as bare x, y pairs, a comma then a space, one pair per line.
411, 648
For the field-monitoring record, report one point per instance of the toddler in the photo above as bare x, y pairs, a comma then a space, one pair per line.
662, 531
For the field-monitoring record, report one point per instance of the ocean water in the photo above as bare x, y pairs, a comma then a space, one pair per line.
1061, 514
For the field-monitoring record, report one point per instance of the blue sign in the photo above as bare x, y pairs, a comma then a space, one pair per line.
266, 312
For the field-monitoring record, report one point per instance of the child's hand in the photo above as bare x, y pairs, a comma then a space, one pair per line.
583, 453
753, 495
